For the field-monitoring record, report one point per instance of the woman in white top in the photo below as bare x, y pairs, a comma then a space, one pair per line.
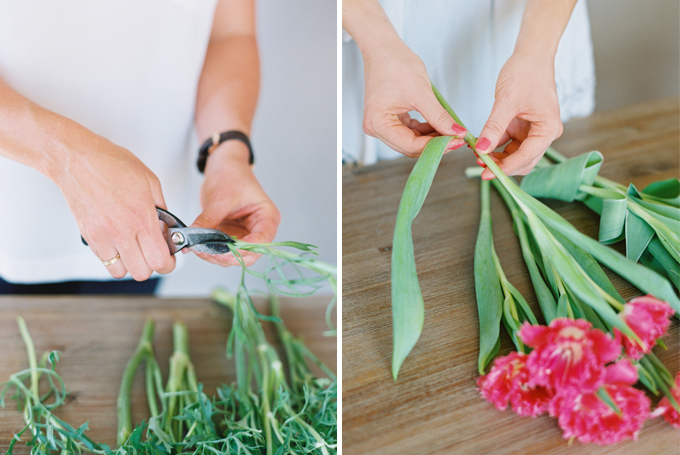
101, 98
497, 62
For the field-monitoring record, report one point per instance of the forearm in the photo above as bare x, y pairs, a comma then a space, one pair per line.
369, 26
229, 86
542, 26
37, 137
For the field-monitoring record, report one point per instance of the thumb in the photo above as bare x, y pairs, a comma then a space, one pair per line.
438, 118
494, 129
210, 217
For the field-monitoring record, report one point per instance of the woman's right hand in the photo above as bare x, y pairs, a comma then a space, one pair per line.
113, 197
111, 193
396, 83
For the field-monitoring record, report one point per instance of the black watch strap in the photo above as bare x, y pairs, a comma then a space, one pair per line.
216, 140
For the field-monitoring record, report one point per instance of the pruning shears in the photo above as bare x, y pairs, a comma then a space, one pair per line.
179, 236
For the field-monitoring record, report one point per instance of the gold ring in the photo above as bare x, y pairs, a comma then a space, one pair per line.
111, 261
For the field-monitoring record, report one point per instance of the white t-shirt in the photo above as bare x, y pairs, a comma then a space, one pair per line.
127, 70
464, 44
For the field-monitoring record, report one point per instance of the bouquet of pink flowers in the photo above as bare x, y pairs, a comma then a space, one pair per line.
583, 376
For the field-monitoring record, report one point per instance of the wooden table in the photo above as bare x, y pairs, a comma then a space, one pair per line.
97, 336
434, 406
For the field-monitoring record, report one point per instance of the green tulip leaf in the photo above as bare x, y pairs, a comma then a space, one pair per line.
638, 236
487, 286
408, 309
562, 181
665, 191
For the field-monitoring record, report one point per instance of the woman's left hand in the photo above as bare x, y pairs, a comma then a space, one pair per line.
234, 202
526, 115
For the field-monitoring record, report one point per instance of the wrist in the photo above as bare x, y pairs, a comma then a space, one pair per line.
541, 53
228, 157
70, 146
217, 139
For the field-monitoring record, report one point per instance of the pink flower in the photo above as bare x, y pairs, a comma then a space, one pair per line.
508, 382
568, 354
587, 418
649, 318
665, 408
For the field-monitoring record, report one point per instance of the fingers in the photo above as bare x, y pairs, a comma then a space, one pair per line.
132, 257
156, 252
396, 135
495, 129
524, 159
430, 108
257, 223
406, 135
117, 268
139, 254
209, 218
156, 191
423, 128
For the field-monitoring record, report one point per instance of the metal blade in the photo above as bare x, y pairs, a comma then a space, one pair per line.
211, 248
209, 241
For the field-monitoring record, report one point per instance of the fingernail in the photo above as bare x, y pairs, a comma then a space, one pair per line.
459, 130
455, 144
483, 144
481, 163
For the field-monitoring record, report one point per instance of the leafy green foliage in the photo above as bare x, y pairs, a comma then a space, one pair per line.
263, 413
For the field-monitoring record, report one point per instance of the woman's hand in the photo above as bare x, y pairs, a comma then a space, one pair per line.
113, 197
234, 202
526, 111
525, 115
397, 83
112, 194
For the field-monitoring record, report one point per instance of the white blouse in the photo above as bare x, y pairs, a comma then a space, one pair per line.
128, 70
464, 44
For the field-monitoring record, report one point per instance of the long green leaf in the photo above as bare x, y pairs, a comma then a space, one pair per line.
487, 286
407, 300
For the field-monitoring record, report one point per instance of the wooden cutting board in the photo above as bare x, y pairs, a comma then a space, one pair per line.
97, 336
434, 407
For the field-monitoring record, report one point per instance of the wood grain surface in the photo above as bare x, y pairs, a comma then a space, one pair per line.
434, 407
97, 336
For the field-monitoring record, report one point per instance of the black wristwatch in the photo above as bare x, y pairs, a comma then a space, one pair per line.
215, 140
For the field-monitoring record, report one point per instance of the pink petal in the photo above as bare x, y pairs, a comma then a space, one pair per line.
622, 372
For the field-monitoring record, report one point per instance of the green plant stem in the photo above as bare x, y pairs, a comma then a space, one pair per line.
263, 248
545, 300
143, 351
150, 387
176, 386
32, 358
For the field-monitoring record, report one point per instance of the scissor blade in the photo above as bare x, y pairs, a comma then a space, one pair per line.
211, 248
209, 241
